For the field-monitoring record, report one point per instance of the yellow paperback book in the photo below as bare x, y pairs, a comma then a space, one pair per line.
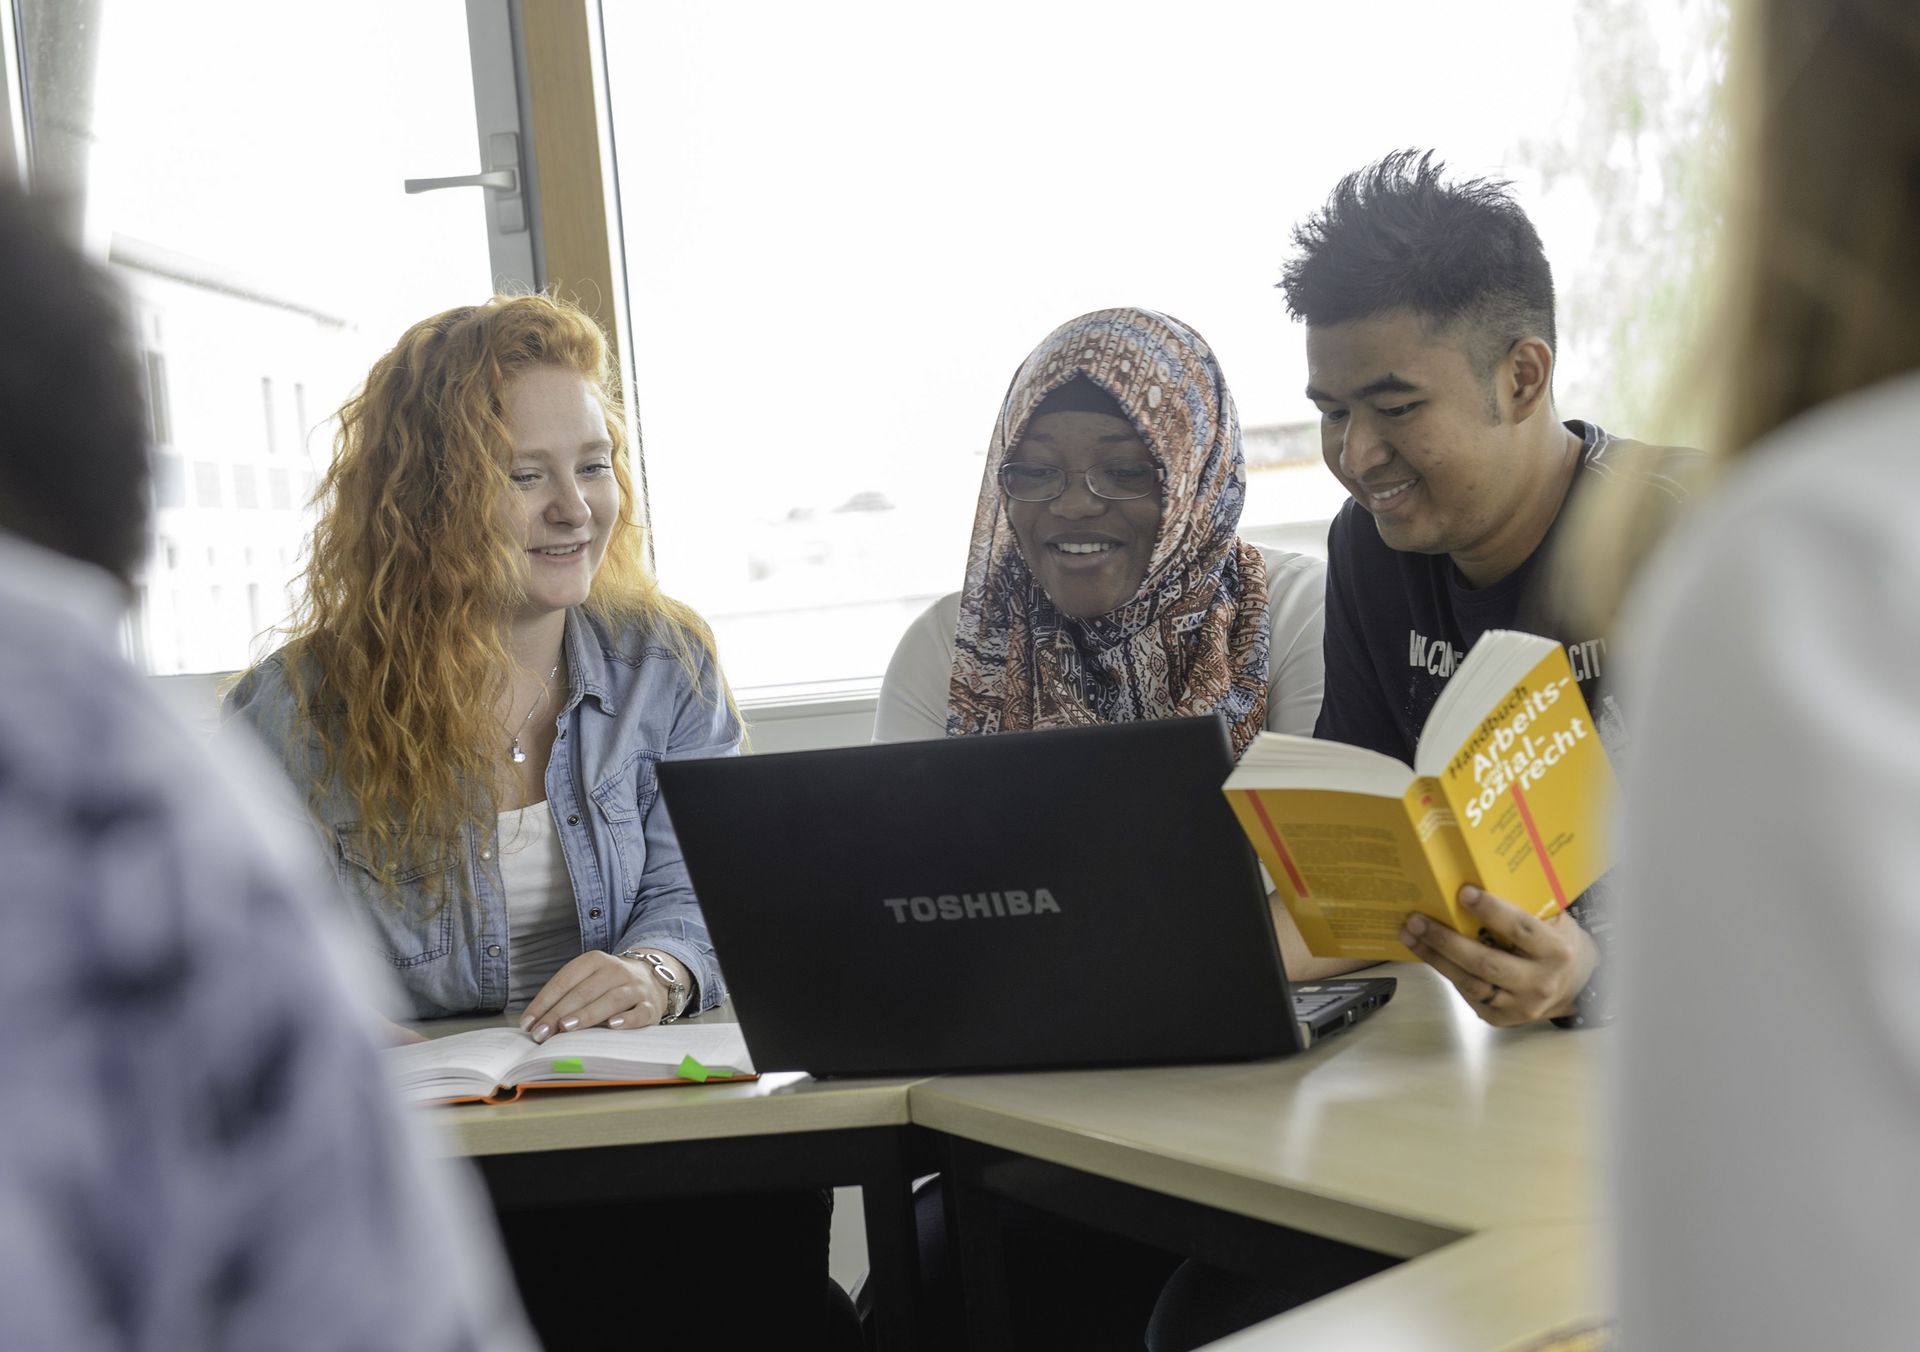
1509, 790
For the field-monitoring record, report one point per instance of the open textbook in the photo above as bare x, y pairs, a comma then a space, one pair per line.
495, 1065
1509, 790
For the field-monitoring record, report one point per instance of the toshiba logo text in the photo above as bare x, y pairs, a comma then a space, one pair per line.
972, 905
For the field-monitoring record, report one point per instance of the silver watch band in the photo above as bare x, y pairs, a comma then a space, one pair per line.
678, 991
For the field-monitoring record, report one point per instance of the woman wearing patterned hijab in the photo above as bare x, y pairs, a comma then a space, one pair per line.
1105, 582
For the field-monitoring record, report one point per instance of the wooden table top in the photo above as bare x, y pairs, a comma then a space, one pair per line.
1403, 1133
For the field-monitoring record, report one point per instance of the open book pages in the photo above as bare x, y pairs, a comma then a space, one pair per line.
481, 1064
1276, 760
1488, 690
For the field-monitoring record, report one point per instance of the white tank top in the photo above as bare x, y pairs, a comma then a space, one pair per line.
543, 923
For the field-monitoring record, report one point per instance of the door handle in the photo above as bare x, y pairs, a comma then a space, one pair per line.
505, 179
501, 179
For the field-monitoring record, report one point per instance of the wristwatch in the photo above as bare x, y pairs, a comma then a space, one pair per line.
677, 990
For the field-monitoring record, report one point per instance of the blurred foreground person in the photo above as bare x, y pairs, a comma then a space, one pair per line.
197, 1147
1769, 1069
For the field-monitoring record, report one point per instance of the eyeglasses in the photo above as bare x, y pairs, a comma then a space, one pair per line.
1117, 480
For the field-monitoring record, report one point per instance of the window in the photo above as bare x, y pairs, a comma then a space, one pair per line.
134, 627
254, 208
206, 484
839, 247
160, 426
169, 482
266, 400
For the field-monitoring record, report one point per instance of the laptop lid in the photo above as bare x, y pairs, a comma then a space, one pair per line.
1075, 897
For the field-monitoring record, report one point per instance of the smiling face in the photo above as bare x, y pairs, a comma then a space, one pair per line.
565, 498
1430, 447
1089, 553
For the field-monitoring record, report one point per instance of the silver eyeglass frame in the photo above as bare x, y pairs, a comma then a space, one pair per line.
1159, 481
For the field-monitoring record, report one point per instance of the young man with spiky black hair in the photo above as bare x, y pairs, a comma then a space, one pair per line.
1430, 355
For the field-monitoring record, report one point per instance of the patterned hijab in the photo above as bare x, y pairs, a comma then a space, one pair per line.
1194, 638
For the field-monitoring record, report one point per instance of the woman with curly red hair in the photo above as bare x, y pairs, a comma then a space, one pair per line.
480, 682
483, 675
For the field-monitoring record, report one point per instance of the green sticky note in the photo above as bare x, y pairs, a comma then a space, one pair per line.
568, 1065
691, 1069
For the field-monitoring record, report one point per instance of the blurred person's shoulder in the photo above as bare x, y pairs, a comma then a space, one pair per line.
1850, 460
74, 709
1832, 487
1852, 454
151, 840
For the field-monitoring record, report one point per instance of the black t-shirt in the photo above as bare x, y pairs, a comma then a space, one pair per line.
1398, 624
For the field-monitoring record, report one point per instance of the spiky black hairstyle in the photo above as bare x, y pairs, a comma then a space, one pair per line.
1396, 236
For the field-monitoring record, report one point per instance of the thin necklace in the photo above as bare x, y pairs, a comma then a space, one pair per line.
514, 753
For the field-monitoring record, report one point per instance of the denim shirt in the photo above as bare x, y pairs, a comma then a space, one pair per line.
630, 704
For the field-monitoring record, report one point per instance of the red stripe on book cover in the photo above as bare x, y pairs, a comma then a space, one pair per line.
1280, 847
1539, 848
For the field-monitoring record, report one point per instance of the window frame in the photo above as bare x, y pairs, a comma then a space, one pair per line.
16, 147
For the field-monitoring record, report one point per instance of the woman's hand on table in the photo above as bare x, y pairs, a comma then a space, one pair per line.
597, 988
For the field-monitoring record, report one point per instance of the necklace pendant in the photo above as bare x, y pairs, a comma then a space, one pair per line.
514, 753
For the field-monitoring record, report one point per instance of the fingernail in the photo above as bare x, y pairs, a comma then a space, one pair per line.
1416, 925
569, 1024
617, 1021
526, 1023
540, 1033
1470, 895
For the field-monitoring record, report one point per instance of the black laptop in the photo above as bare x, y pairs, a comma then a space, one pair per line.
1079, 897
